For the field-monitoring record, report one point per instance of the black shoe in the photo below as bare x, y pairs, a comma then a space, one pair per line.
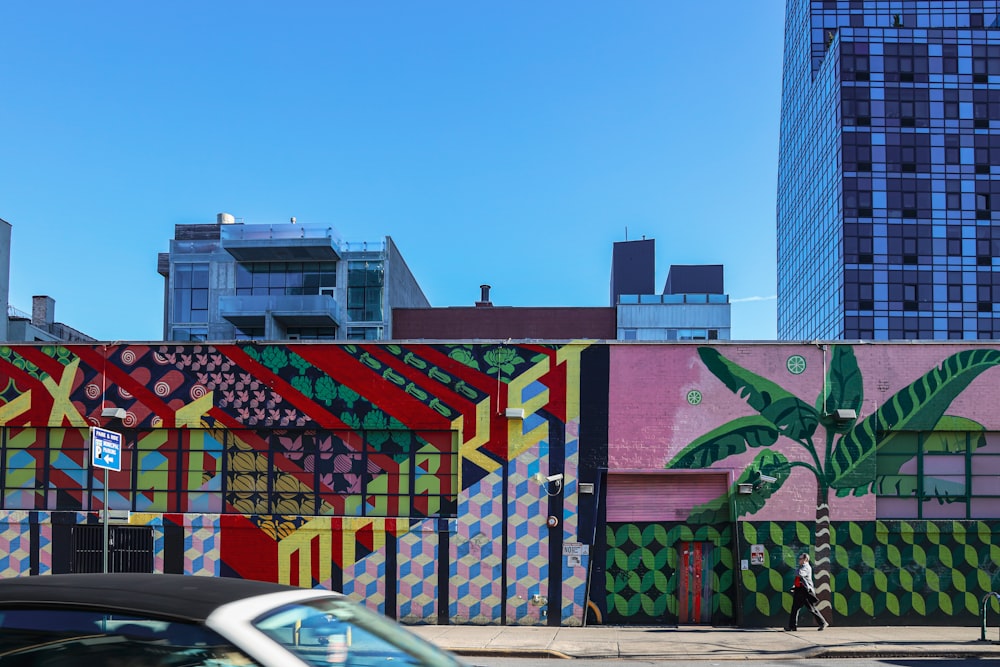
791, 629
823, 627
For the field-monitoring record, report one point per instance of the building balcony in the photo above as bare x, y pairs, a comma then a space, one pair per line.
280, 243
308, 310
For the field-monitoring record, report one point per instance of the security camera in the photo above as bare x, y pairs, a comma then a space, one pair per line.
555, 478
768, 479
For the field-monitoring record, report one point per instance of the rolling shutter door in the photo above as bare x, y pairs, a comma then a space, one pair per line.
661, 497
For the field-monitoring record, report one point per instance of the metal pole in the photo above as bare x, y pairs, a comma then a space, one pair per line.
105, 549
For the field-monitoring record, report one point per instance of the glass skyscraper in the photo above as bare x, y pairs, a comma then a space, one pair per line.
889, 170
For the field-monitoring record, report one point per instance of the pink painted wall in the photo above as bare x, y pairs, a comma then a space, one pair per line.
651, 418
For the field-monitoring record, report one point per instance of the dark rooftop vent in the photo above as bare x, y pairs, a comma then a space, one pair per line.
484, 299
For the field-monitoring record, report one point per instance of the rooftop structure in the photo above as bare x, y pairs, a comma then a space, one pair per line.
235, 281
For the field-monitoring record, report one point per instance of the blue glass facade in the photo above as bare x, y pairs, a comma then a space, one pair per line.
887, 173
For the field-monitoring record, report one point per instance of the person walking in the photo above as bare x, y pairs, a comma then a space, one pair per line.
804, 595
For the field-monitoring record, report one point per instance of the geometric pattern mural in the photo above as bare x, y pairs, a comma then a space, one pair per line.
885, 572
15, 547
333, 465
413, 476
476, 572
643, 572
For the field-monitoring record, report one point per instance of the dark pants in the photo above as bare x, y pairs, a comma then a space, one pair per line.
801, 598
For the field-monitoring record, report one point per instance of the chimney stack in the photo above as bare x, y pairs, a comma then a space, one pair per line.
43, 311
484, 298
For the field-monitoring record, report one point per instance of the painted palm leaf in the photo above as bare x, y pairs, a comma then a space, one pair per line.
729, 439
792, 416
844, 387
767, 462
917, 407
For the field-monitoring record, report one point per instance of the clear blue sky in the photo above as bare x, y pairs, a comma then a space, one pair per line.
508, 143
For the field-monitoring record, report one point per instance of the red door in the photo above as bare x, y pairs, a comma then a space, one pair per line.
695, 586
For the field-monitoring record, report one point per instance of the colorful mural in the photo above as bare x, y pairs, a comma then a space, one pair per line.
894, 433
414, 476
390, 472
882, 572
644, 573
844, 458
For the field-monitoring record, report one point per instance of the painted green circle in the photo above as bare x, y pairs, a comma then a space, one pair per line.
796, 364
694, 397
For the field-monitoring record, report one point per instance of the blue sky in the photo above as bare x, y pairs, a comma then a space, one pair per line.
504, 143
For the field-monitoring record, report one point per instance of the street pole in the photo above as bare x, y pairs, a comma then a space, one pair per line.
106, 536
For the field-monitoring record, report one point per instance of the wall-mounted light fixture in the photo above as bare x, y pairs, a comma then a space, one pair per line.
113, 413
845, 414
514, 413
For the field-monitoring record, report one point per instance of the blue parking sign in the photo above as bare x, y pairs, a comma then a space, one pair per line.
105, 449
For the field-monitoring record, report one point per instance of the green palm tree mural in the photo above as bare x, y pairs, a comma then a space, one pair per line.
846, 462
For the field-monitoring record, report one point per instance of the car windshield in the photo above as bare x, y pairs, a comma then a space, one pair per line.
30, 637
337, 631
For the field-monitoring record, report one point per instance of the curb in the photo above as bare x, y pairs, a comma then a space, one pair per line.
806, 653
508, 653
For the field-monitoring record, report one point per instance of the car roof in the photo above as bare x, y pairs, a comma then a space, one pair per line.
178, 596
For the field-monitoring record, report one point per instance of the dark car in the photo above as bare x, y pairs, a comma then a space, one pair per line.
168, 620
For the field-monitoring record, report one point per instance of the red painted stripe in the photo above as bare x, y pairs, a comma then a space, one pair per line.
41, 400
116, 377
318, 414
380, 392
696, 562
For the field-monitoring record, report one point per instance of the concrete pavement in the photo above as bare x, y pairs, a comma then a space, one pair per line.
712, 643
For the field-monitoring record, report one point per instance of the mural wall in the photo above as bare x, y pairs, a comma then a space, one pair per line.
685, 477
879, 460
393, 473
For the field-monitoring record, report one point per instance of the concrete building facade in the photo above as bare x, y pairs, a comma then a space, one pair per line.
291, 281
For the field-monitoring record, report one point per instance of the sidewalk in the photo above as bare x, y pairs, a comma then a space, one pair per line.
710, 643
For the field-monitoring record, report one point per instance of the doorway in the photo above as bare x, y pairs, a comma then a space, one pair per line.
694, 590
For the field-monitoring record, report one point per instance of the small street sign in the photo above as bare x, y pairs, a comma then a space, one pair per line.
105, 449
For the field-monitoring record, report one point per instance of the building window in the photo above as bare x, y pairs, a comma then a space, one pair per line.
364, 333
189, 333
249, 333
190, 295
311, 333
285, 278
364, 291
939, 475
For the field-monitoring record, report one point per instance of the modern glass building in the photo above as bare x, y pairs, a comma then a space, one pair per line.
888, 192
290, 281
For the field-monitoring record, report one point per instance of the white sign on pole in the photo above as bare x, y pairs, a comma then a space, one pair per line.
105, 449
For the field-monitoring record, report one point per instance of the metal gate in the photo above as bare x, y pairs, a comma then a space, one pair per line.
130, 548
